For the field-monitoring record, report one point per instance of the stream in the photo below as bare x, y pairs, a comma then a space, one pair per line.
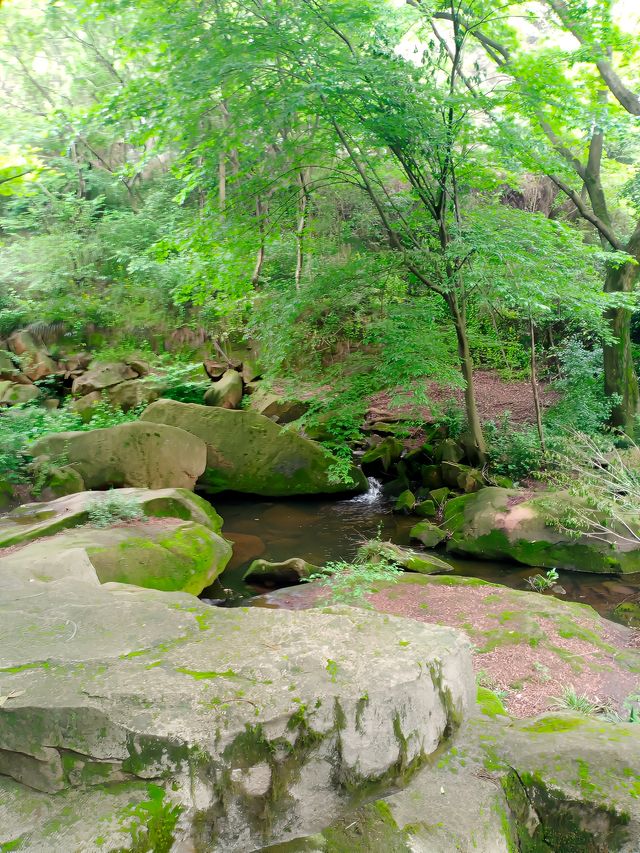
323, 529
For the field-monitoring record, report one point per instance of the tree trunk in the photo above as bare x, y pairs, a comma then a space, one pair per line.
534, 386
477, 450
303, 203
619, 371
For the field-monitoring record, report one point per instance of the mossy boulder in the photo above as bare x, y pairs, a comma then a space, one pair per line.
169, 554
426, 508
406, 558
448, 450
285, 573
383, 454
226, 392
405, 502
506, 524
36, 520
139, 454
101, 376
462, 477
428, 533
249, 453
16, 394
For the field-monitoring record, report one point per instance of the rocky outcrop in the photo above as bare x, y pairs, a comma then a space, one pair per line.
134, 715
249, 453
556, 784
505, 524
17, 393
132, 393
139, 453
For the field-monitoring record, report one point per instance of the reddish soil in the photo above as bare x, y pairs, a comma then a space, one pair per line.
494, 397
532, 675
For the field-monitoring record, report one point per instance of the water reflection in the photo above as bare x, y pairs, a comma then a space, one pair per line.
323, 529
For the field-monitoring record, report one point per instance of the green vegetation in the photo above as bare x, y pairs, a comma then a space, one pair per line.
541, 583
112, 509
332, 184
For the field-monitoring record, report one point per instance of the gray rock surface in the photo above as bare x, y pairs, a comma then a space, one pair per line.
132, 715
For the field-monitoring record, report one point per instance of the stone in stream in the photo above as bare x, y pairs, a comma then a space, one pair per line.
249, 453
139, 454
130, 715
285, 573
428, 533
506, 524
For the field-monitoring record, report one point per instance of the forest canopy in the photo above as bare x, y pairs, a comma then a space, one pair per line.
378, 194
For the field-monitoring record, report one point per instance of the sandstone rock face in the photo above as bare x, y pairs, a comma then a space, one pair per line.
226, 392
495, 523
34, 521
249, 453
133, 714
102, 376
152, 456
555, 784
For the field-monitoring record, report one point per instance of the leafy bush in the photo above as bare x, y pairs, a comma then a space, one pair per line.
104, 512
349, 583
583, 405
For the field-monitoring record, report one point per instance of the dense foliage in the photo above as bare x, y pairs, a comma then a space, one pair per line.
377, 195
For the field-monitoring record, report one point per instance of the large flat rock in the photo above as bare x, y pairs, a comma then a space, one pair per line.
138, 714
35, 520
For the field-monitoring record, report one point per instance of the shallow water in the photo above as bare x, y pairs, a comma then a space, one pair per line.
322, 529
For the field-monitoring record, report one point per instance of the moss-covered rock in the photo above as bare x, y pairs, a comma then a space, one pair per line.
34, 521
503, 524
428, 533
629, 613
16, 394
285, 573
249, 453
383, 454
176, 555
138, 454
405, 502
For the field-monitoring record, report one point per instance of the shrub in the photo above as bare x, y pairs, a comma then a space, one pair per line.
104, 512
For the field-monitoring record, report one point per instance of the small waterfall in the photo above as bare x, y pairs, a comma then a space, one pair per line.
372, 496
